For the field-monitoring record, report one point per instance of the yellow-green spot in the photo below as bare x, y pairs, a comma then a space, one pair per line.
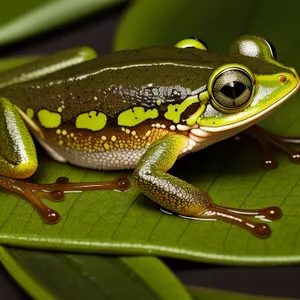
106, 146
58, 131
49, 119
113, 138
92, 120
136, 115
29, 112
158, 102
194, 117
59, 109
60, 142
204, 97
175, 110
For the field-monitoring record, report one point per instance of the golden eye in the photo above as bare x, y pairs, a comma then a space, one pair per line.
192, 43
231, 90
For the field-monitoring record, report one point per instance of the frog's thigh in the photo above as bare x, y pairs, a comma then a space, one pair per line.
168, 191
17, 151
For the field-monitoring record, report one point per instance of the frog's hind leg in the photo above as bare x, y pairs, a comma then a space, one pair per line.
18, 160
185, 199
266, 139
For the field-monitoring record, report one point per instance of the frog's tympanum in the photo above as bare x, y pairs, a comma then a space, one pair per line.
142, 110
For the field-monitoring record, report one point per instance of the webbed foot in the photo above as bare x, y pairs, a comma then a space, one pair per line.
267, 139
237, 216
33, 192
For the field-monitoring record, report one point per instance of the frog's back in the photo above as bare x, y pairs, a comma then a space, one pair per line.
116, 82
106, 112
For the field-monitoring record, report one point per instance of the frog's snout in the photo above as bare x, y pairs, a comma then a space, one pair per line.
291, 77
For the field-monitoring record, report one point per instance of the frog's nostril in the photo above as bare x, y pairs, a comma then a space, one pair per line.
282, 78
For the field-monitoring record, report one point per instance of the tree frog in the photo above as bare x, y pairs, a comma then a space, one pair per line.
140, 109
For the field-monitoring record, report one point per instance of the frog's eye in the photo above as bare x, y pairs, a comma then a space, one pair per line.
254, 46
192, 43
231, 89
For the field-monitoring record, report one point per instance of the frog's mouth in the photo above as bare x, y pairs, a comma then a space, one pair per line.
199, 139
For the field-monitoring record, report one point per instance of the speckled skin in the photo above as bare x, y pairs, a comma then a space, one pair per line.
178, 195
102, 151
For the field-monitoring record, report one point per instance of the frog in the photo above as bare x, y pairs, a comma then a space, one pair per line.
141, 109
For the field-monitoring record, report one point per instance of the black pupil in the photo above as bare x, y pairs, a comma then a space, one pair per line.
233, 89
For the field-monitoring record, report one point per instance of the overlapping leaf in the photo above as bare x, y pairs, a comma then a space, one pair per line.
22, 19
51, 275
55, 275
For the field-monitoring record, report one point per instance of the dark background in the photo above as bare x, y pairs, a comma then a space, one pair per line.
98, 32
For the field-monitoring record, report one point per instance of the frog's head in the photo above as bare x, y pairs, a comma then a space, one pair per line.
249, 88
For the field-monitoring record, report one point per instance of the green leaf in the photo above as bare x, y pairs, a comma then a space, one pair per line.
218, 22
129, 223
22, 19
199, 293
113, 222
51, 275
155, 22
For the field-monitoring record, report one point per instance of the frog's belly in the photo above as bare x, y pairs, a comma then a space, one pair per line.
111, 149
117, 159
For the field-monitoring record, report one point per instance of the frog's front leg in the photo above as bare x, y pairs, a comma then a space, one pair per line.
185, 199
267, 139
18, 161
